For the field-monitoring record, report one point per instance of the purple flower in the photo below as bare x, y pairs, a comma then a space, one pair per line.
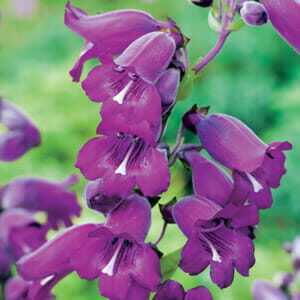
284, 16
172, 290
253, 13
21, 136
263, 290
96, 199
124, 160
214, 239
18, 289
126, 85
256, 166
111, 32
294, 249
115, 251
36, 194
20, 234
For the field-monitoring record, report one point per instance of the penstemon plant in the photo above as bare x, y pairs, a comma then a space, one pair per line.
144, 69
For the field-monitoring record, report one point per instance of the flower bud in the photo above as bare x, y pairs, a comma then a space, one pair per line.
254, 13
202, 3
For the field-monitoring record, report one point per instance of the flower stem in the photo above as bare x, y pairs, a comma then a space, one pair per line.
178, 140
162, 233
223, 34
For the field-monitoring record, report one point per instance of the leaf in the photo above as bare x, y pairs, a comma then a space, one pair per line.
213, 22
236, 25
169, 264
186, 85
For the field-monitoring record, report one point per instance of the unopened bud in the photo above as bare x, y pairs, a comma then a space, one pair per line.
254, 13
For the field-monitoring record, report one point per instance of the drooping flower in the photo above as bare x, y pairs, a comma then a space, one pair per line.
256, 166
22, 134
127, 85
263, 290
111, 32
18, 289
172, 290
115, 251
36, 194
214, 238
284, 16
124, 160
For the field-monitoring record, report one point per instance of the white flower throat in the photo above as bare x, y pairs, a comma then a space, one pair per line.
256, 185
123, 166
120, 97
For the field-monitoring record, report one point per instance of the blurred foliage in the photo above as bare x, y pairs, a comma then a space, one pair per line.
255, 78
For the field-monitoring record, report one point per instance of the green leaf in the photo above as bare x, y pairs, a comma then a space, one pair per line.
169, 264
213, 22
236, 25
186, 85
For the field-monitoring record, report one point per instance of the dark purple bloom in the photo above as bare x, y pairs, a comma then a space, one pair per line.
167, 86
115, 251
110, 32
36, 194
126, 85
263, 290
124, 160
17, 288
96, 199
256, 166
214, 239
253, 13
20, 234
172, 290
21, 136
284, 15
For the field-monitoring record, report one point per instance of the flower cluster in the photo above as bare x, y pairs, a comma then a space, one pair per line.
285, 285
143, 63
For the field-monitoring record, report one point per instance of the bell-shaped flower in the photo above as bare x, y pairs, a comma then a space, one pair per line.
123, 160
256, 166
172, 290
36, 194
20, 233
127, 85
284, 16
214, 238
263, 290
21, 136
17, 288
112, 32
114, 251
96, 199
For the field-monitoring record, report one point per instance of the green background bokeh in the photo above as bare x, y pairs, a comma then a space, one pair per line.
255, 78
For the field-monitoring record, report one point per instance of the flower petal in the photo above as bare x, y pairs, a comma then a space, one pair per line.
198, 293
170, 290
153, 174
132, 216
262, 290
209, 180
190, 209
194, 256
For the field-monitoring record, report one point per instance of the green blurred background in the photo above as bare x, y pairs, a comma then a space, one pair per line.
255, 78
